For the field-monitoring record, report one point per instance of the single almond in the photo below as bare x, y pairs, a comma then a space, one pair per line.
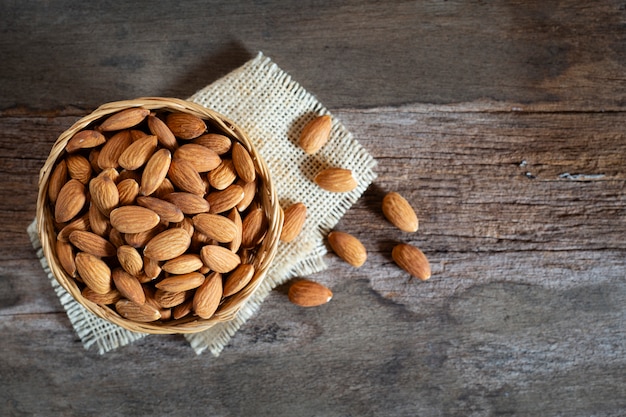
215, 226
254, 227
184, 282
112, 173
79, 223
144, 313
138, 153
249, 192
110, 297
219, 259
399, 212
70, 202
183, 309
65, 255
116, 238
200, 157
220, 144
222, 176
124, 119
169, 299
183, 264
315, 134
134, 219
188, 203
224, 200
155, 171
163, 133
306, 293
128, 286
294, 218
242, 161
168, 245
166, 210
98, 222
94, 154
185, 126
95, 273
207, 297
336, 180
184, 176
141, 239
113, 148
151, 268
130, 259
235, 244
128, 191
348, 248
238, 279
57, 180
85, 139
78, 167
104, 194
92, 243
412, 260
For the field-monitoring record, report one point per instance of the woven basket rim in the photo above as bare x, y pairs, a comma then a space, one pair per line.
230, 306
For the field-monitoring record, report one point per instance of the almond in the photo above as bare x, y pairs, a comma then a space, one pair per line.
186, 225
85, 139
222, 176
164, 189
98, 222
80, 223
221, 201
169, 299
124, 119
249, 192
200, 157
92, 243
128, 174
254, 227
412, 260
116, 238
219, 259
242, 161
348, 248
141, 239
144, 313
94, 154
220, 144
183, 264
184, 282
104, 194
167, 245
215, 226
128, 286
305, 293
294, 218
185, 126
130, 259
128, 191
133, 219
188, 203
151, 268
112, 173
399, 212
70, 201
94, 272
138, 153
78, 167
65, 254
337, 180
235, 244
182, 309
155, 171
110, 297
238, 279
57, 180
112, 150
207, 297
315, 134
166, 210
184, 176
163, 133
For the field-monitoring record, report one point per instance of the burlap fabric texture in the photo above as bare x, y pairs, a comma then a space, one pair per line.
272, 108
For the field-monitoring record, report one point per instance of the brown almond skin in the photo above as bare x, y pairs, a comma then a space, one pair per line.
155, 171
65, 255
85, 139
92, 243
249, 192
224, 200
134, 219
104, 194
238, 279
184, 282
200, 157
219, 259
70, 201
184, 176
336, 180
235, 244
130, 259
188, 203
166, 210
220, 144
412, 260
306, 293
113, 148
128, 191
315, 134
243, 163
215, 226
207, 297
222, 176
95, 273
163, 133
185, 126
294, 218
183, 264
144, 313
167, 245
124, 119
78, 167
128, 286
348, 248
138, 153
58, 178
80, 223
399, 212
110, 297
99, 222
254, 227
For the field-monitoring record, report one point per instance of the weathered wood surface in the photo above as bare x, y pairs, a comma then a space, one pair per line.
517, 174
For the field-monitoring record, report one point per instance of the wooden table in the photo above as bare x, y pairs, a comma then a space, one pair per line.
502, 122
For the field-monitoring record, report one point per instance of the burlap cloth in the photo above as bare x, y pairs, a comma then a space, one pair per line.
272, 108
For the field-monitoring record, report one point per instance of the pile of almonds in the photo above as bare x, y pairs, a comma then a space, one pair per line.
395, 208
156, 216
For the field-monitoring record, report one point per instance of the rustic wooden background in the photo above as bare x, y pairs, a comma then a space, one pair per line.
504, 123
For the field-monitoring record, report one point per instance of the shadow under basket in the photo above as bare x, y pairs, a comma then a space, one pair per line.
266, 198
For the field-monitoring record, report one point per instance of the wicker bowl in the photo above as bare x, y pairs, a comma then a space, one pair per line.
266, 196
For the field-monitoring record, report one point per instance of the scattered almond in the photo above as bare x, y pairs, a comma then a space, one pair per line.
337, 180
348, 248
307, 293
399, 212
315, 134
294, 218
412, 260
